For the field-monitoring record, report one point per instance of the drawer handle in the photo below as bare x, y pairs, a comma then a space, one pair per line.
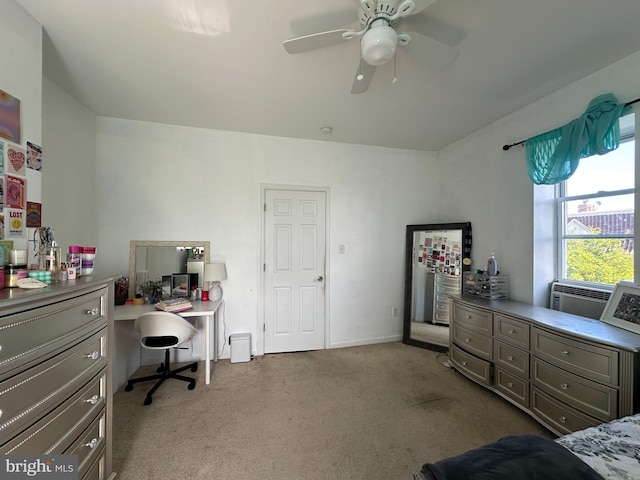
467, 316
467, 340
93, 311
564, 386
93, 355
464, 363
510, 358
1, 412
92, 444
511, 331
510, 384
93, 400
563, 419
564, 353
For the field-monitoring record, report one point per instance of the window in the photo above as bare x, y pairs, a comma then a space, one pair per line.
595, 209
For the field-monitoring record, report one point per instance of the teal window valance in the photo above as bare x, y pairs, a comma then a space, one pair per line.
552, 157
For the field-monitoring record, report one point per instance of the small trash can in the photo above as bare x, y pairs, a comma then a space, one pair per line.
240, 344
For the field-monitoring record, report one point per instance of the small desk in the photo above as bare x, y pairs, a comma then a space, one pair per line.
208, 310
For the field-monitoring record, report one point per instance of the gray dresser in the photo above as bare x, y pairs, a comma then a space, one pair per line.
55, 373
568, 372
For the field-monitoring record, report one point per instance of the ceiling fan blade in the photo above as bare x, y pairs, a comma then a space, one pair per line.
314, 41
430, 51
421, 5
345, 18
361, 84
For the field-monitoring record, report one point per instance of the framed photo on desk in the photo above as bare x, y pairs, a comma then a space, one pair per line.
623, 307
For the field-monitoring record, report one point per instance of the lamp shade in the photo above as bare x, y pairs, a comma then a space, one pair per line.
379, 45
215, 272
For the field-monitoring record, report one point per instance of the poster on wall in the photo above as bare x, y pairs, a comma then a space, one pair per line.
9, 117
15, 160
34, 156
15, 192
34, 214
16, 227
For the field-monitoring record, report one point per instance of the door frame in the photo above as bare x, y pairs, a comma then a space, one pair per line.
261, 256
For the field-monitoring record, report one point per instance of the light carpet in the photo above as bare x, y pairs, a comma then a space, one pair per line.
370, 412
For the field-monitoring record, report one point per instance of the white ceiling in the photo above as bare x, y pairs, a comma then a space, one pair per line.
220, 64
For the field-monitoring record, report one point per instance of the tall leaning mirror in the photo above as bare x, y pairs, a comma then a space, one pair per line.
436, 255
151, 259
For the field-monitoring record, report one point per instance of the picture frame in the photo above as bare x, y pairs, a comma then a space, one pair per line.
623, 307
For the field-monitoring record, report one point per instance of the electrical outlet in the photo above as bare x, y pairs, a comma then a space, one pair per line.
395, 312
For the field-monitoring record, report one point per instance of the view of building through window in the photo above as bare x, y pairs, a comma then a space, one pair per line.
596, 211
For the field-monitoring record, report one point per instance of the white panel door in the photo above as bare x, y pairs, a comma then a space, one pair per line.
294, 270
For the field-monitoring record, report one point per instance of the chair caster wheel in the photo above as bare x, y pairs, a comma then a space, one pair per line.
128, 388
160, 369
147, 401
194, 368
192, 385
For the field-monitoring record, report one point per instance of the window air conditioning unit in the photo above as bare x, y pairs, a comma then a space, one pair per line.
583, 300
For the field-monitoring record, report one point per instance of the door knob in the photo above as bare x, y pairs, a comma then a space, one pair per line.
320, 278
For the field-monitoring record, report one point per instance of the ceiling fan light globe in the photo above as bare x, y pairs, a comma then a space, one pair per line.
379, 45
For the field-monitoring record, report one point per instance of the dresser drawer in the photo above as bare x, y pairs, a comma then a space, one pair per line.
561, 418
473, 342
97, 470
90, 445
442, 300
479, 370
31, 394
591, 361
514, 387
59, 429
473, 318
511, 331
511, 358
448, 283
592, 398
30, 335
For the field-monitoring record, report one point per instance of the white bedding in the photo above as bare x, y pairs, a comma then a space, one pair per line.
611, 449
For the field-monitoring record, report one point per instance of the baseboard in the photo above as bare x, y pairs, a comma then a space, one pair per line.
366, 341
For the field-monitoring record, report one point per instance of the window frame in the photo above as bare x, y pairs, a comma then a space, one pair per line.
561, 202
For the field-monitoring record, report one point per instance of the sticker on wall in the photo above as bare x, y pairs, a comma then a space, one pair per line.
9, 117
34, 214
16, 227
34, 156
15, 160
1, 228
15, 192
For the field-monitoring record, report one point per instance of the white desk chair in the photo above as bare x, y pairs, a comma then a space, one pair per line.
163, 331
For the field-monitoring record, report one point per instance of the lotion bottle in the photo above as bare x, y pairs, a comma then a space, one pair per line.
492, 265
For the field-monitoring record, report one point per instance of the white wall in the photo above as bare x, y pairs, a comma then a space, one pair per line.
21, 76
496, 194
162, 182
69, 138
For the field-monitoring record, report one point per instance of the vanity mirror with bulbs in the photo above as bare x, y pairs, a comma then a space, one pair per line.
150, 260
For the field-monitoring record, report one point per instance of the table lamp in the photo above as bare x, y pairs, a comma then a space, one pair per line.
214, 273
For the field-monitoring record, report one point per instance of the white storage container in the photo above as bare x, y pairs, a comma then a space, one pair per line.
240, 347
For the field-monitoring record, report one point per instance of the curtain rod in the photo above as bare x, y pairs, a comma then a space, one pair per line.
521, 142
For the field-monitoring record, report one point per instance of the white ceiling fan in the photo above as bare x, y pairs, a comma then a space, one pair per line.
378, 21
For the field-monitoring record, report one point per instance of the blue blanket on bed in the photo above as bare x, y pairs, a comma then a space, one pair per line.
518, 457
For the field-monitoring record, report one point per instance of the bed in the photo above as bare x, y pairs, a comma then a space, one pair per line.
610, 450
